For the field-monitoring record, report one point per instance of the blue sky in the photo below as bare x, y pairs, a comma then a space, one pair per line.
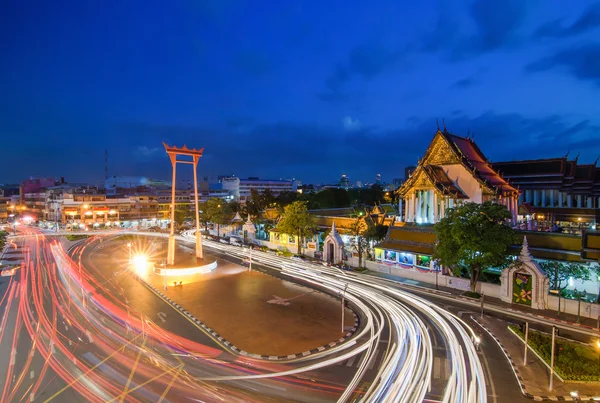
294, 88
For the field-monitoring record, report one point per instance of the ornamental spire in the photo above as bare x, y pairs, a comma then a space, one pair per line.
525, 255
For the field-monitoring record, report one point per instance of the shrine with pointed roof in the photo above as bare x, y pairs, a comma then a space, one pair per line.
452, 171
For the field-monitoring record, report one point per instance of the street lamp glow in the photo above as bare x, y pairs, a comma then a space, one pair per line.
140, 264
574, 394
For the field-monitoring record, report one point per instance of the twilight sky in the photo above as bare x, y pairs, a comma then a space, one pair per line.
305, 89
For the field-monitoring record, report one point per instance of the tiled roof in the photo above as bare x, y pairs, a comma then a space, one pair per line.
443, 183
475, 161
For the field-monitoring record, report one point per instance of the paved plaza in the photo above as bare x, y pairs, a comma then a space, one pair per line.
235, 303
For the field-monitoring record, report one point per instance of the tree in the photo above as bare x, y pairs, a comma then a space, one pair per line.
359, 242
559, 273
296, 220
182, 212
472, 237
376, 233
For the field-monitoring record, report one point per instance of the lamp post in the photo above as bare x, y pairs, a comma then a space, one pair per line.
552, 358
343, 296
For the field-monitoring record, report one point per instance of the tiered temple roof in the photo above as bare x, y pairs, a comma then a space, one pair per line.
552, 173
447, 148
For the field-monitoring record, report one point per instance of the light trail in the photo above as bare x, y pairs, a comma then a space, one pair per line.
99, 353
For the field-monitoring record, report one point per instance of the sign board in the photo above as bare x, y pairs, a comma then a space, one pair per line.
311, 245
459, 283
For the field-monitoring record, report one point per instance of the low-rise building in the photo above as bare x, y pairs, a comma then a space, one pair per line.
241, 189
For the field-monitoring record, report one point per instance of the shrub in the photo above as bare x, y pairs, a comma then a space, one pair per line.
572, 361
471, 294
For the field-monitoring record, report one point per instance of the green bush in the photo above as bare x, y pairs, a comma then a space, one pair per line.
3, 236
572, 361
75, 237
471, 294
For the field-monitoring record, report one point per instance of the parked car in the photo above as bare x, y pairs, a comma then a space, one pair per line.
224, 240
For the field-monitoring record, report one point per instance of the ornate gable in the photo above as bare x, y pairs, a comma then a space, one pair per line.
418, 179
440, 152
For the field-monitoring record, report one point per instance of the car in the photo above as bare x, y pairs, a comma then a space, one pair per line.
235, 241
224, 240
298, 258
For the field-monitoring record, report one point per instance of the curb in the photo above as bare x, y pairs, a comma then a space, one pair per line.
241, 352
520, 379
488, 304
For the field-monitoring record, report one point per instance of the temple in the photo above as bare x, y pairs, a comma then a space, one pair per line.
556, 190
452, 171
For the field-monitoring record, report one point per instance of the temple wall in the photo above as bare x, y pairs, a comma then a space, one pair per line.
466, 182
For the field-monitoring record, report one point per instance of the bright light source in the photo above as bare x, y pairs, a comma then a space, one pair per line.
477, 339
574, 394
140, 263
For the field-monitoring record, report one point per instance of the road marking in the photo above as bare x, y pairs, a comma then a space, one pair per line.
162, 316
31, 396
373, 360
32, 375
89, 336
351, 361
436, 367
52, 350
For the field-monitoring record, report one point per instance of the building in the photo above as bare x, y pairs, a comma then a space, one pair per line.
408, 172
241, 189
452, 171
556, 191
345, 182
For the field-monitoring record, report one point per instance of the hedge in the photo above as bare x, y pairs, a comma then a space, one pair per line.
572, 361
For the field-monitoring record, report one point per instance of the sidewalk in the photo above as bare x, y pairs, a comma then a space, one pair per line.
496, 302
534, 377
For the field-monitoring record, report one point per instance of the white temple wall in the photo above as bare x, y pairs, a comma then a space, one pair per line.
469, 185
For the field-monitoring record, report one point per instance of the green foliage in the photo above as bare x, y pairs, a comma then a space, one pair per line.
471, 294
75, 237
3, 236
472, 237
296, 220
376, 233
359, 242
572, 361
182, 213
559, 272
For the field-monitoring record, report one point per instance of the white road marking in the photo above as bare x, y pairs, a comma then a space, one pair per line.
162, 316
436, 367
13, 354
374, 359
31, 397
351, 361
32, 375
89, 336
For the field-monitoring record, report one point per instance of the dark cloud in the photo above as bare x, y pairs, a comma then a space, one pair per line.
466, 82
496, 27
289, 149
365, 61
583, 62
589, 20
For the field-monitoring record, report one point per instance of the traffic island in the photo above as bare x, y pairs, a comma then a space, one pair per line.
260, 314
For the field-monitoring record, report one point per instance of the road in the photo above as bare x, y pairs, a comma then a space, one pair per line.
83, 330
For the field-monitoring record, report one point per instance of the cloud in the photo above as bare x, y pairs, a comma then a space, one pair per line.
465, 83
365, 61
589, 20
496, 27
582, 62
350, 124
145, 152
315, 153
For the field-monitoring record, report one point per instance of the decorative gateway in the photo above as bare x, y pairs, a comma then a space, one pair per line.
524, 282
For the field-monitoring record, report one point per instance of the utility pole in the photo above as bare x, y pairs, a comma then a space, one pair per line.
526, 341
343, 296
552, 358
